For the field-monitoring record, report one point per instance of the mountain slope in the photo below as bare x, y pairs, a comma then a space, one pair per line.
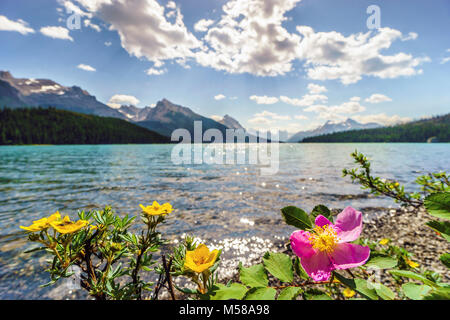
53, 126
167, 117
230, 122
46, 93
437, 129
330, 127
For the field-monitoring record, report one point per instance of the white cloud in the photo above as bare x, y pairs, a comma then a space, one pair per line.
73, 8
301, 117
261, 121
118, 100
381, 118
219, 97
203, 25
335, 112
316, 89
108, 43
272, 115
250, 38
331, 55
445, 60
306, 100
264, 99
410, 36
377, 98
155, 72
86, 67
56, 33
144, 30
171, 5
88, 23
17, 26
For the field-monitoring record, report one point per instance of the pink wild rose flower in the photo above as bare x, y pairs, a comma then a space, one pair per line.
327, 248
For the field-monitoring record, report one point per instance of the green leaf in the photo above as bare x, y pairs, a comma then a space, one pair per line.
415, 291
445, 259
384, 292
289, 293
358, 285
413, 275
279, 265
438, 294
438, 204
381, 262
261, 294
296, 217
321, 210
442, 227
254, 276
233, 291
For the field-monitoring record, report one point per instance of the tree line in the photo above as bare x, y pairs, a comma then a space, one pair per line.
55, 126
436, 129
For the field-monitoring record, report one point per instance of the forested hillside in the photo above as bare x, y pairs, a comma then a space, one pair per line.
52, 126
436, 129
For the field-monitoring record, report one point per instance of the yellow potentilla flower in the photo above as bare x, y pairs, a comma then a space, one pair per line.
348, 293
42, 224
156, 209
384, 241
65, 226
411, 263
200, 259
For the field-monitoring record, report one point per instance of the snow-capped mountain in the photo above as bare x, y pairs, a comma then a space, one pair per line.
330, 127
19, 92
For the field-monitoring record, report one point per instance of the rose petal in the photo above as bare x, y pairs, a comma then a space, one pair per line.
322, 221
300, 244
318, 266
348, 224
349, 255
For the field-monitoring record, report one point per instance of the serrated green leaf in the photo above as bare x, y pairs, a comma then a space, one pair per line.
289, 293
296, 217
381, 262
261, 294
415, 291
445, 259
233, 291
358, 285
321, 210
279, 265
438, 204
443, 228
254, 276
413, 275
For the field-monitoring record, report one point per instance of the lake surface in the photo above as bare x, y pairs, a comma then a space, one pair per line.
221, 204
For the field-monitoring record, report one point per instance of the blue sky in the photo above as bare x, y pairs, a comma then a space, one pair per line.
286, 64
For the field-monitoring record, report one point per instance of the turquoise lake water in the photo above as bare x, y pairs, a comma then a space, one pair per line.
213, 202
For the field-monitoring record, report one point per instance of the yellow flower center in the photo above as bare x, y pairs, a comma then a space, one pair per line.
324, 238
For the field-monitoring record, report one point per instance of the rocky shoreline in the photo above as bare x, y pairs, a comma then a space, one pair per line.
406, 228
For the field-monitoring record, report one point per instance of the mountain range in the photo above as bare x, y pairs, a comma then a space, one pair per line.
164, 118
332, 127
